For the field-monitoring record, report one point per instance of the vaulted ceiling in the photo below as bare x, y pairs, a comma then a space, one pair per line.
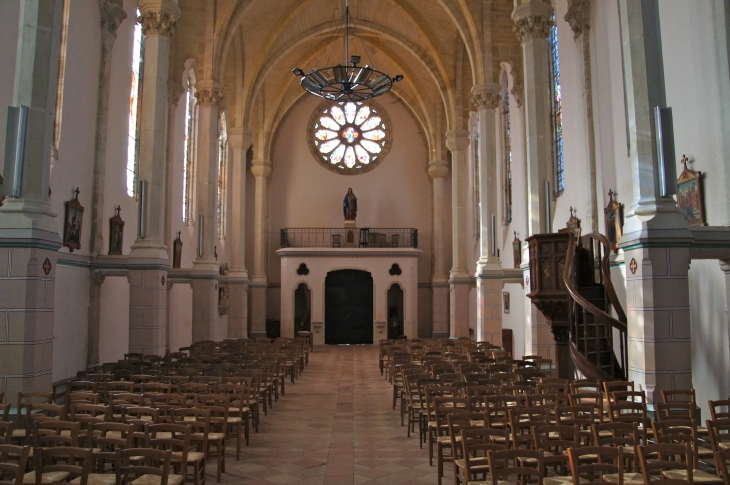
442, 47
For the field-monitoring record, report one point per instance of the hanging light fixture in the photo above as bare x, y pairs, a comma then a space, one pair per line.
349, 82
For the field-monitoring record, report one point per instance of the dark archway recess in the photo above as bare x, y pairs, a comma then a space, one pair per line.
302, 309
395, 311
348, 310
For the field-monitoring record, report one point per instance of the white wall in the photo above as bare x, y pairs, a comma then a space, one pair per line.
114, 315
70, 321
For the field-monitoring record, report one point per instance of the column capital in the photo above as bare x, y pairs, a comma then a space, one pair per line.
457, 140
209, 92
438, 168
533, 20
261, 168
159, 17
240, 138
578, 16
112, 15
486, 96
174, 91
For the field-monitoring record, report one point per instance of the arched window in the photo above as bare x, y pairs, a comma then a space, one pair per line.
189, 154
61, 76
222, 172
134, 108
557, 109
474, 120
506, 149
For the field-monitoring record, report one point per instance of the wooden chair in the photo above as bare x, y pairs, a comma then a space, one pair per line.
670, 462
555, 440
721, 459
620, 435
24, 400
13, 463
54, 433
630, 407
171, 437
6, 431
684, 431
60, 465
719, 434
517, 463
443, 407
105, 439
593, 399
458, 421
199, 422
579, 416
596, 464
145, 466
716, 409
4, 412
522, 420
475, 444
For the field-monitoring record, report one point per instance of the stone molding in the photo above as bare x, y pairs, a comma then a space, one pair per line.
578, 16
208, 93
533, 20
261, 168
349, 253
240, 138
158, 23
457, 140
438, 168
486, 96
112, 15
174, 90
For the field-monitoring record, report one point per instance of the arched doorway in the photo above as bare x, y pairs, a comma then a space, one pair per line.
395, 311
302, 309
348, 310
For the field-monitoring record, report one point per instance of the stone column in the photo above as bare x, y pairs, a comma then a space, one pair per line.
578, 16
29, 238
149, 260
438, 169
159, 18
532, 25
239, 140
174, 91
112, 15
489, 272
261, 169
96, 279
457, 142
656, 237
205, 268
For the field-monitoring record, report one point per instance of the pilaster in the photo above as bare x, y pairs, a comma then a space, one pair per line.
112, 15
533, 21
438, 169
96, 279
457, 141
148, 308
261, 169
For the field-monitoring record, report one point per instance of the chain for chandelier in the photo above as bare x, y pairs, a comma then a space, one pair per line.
347, 83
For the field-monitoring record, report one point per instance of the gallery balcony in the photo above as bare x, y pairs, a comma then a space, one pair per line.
365, 237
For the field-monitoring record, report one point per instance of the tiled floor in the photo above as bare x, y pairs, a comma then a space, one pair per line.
336, 425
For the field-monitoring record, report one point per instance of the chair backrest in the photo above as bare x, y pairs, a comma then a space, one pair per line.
72, 460
458, 421
621, 434
517, 463
4, 412
88, 397
170, 436
522, 420
106, 438
659, 458
555, 438
13, 462
722, 458
585, 385
592, 463
679, 395
54, 432
683, 431
6, 431
675, 410
719, 430
613, 386
89, 413
593, 399
147, 461
476, 443
199, 422
716, 410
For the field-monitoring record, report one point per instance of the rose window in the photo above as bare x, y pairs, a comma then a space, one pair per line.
349, 137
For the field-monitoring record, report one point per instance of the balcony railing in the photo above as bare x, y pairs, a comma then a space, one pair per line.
364, 237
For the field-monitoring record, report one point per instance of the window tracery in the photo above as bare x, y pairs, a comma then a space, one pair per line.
349, 137
188, 157
222, 179
134, 109
506, 149
557, 109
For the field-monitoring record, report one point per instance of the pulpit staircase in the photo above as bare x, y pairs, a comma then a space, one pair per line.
598, 340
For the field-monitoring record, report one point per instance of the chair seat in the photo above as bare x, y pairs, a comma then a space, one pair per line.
157, 480
724, 445
447, 439
698, 476
19, 433
193, 456
476, 465
216, 436
98, 479
629, 478
50, 477
557, 480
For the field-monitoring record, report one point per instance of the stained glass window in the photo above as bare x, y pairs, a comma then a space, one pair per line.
507, 147
134, 108
222, 170
557, 108
349, 137
189, 147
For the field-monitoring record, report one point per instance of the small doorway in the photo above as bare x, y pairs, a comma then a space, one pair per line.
395, 312
348, 312
302, 309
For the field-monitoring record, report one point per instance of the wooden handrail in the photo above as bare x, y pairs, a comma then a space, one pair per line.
607, 277
587, 305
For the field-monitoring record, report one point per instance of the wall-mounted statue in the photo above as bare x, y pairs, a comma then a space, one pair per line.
349, 206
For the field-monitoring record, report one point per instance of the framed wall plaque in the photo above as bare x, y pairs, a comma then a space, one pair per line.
72, 223
614, 213
516, 251
690, 196
116, 233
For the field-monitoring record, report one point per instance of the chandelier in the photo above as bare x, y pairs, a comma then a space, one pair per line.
348, 82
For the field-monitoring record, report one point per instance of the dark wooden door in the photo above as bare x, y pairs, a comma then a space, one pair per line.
348, 311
